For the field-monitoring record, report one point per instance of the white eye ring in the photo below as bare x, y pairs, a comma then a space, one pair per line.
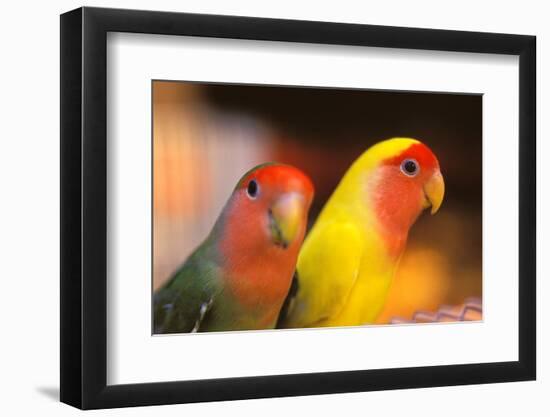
252, 189
410, 167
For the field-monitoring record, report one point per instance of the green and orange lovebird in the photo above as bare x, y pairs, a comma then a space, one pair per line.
348, 259
238, 278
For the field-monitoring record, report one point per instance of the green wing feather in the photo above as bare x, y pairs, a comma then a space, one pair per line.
183, 304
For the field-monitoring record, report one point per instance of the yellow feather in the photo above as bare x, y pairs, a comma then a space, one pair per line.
335, 267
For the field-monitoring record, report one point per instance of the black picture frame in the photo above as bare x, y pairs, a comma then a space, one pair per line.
84, 207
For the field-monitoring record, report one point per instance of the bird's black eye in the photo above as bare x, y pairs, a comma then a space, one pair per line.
410, 167
252, 189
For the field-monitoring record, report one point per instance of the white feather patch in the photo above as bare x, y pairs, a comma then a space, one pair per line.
202, 312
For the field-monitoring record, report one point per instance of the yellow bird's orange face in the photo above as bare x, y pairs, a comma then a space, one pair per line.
403, 186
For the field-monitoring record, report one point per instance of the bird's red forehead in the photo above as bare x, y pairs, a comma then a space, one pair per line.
281, 177
423, 155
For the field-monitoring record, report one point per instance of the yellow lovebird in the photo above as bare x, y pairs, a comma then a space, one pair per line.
347, 262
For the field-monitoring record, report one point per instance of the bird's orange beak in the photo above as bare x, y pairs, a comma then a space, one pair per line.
286, 216
434, 190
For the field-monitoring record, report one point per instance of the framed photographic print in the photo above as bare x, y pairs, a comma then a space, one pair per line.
257, 208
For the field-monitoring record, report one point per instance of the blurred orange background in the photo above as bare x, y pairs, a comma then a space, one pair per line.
205, 136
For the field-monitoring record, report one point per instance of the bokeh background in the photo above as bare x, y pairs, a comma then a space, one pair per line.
205, 136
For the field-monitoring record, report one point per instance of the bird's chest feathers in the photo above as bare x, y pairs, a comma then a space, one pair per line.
376, 260
258, 272
373, 281
259, 284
